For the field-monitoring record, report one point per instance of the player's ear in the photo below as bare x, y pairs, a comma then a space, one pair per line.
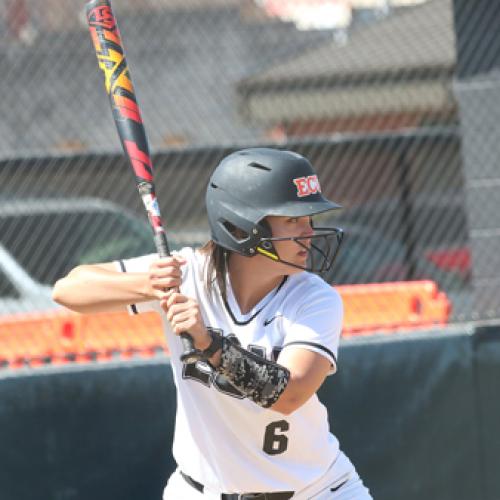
266, 247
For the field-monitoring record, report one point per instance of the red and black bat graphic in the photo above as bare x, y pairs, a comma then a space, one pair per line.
127, 116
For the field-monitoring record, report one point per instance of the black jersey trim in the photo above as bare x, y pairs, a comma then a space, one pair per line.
313, 344
233, 318
124, 270
247, 321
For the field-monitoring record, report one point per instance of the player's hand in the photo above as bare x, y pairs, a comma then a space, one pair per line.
165, 274
184, 315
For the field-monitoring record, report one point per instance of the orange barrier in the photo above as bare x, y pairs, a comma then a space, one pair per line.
64, 337
393, 306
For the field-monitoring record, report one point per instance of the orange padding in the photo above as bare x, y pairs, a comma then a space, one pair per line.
64, 337
393, 306
33, 340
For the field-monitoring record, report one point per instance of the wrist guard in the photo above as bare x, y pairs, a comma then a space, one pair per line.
258, 379
215, 344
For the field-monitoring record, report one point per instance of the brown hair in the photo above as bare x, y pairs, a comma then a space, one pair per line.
216, 267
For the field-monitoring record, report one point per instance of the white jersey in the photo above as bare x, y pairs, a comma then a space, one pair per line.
227, 442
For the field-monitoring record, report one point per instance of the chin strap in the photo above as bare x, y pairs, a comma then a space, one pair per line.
267, 253
258, 379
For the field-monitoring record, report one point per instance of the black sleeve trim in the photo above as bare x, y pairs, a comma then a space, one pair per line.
313, 344
124, 270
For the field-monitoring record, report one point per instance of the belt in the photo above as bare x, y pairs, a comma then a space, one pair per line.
276, 495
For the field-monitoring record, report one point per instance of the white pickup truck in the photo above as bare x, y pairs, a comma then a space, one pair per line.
41, 239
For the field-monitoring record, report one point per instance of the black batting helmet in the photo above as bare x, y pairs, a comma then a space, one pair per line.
249, 185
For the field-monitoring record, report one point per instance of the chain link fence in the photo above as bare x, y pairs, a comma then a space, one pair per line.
394, 102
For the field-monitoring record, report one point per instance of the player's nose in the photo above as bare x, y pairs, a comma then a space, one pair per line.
306, 231
306, 227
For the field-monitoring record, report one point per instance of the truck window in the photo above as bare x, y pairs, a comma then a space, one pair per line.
7, 289
48, 245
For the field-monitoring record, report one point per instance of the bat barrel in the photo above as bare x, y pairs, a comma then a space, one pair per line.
126, 113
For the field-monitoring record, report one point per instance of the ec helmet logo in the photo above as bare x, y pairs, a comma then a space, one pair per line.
307, 185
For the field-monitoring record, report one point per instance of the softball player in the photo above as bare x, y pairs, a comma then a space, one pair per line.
249, 424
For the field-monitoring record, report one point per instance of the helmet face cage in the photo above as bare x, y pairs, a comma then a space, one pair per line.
322, 250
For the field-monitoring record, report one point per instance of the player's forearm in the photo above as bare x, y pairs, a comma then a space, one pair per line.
92, 288
307, 373
297, 392
283, 386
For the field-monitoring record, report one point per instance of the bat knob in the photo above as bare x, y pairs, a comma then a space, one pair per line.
189, 358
